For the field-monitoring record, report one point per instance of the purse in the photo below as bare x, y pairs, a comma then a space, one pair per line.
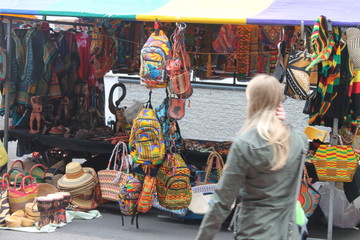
26, 193
176, 109
308, 197
178, 66
335, 162
4, 203
108, 186
210, 175
301, 84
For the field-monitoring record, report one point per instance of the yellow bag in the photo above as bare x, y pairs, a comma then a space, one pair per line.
3, 155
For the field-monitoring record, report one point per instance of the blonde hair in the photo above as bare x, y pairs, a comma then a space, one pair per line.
264, 95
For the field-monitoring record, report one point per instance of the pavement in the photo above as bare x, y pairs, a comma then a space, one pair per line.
154, 225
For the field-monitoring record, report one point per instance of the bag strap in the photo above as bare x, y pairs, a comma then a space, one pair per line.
16, 177
219, 162
7, 178
22, 164
352, 139
114, 153
38, 165
23, 183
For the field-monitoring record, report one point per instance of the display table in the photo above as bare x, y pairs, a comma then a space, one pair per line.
42, 141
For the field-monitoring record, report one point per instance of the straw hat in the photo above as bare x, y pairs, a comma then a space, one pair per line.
85, 200
46, 188
353, 43
75, 176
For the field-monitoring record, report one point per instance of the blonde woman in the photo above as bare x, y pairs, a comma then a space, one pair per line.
263, 168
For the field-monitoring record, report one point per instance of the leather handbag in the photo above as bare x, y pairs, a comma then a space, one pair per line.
178, 66
335, 162
308, 197
26, 193
108, 186
211, 174
176, 109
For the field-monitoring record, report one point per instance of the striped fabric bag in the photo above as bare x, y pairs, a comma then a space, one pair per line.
107, 178
26, 193
4, 204
146, 198
335, 163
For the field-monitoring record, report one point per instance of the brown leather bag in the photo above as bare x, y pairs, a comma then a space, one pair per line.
178, 67
176, 109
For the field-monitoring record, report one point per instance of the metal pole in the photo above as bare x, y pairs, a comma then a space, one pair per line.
332, 184
7, 85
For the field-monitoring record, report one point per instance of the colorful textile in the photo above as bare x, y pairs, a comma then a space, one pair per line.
243, 47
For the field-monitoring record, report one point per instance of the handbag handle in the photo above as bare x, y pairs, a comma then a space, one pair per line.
114, 153
38, 165
125, 161
22, 164
353, 138
210, 162
16, 177
23, 182
7, 178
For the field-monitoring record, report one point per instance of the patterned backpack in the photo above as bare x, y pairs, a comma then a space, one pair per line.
146, 141
130, 189
173, 183
154, 55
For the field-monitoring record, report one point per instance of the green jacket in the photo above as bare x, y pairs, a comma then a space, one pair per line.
268, 197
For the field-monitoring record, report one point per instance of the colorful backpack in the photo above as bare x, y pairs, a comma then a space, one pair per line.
130, 189
173, 183
153, 57
146, 141
146, 198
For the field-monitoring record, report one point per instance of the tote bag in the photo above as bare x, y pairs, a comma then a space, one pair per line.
109, 183
335, 163
26, 193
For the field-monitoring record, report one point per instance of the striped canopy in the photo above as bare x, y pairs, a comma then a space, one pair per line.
274, 12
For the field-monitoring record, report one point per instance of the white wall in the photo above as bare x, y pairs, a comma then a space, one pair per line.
214, 114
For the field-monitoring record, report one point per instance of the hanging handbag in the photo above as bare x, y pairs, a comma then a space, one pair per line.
301, 84
146, 198
4, 203
176, 109
109, 187
335, 162
178, 66
308, 197
210, 175
26, 193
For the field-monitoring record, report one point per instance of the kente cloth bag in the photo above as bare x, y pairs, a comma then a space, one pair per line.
4, 203
146, 198
308, 197
109, 187
26, 193
335, 163
211, 174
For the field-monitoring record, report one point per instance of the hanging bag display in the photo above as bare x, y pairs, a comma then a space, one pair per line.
146, 198
109, 187
308, 197
211, 174
335, 162
176, 108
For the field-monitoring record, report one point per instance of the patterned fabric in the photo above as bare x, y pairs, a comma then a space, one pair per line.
309, 198
335, 163
154, 55
146, 197
226, 39
243, 47
254, 47
173, 183
146, 141
130, 189
4, 206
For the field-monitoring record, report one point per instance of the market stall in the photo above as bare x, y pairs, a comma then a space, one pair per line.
266, 19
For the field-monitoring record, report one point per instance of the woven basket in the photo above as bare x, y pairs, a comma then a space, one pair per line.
353, 43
